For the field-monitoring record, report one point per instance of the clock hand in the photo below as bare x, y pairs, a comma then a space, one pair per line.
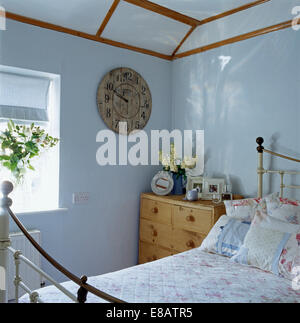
120, 96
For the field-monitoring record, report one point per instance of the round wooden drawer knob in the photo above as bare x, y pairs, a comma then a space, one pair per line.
190, 218
154, 233
190, 244
155, 210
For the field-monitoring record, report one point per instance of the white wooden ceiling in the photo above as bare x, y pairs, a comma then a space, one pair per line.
142, 28
201, 9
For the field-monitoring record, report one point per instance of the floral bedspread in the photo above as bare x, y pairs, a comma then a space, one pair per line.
190, 277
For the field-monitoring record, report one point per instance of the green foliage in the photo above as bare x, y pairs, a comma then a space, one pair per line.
20, 144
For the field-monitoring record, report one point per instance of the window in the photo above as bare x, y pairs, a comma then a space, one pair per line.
25, 97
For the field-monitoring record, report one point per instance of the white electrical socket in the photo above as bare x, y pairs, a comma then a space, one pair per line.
81, 198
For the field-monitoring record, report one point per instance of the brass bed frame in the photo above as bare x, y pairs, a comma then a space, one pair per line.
6, 213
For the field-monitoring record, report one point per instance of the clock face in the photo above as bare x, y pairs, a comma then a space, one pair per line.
124, 96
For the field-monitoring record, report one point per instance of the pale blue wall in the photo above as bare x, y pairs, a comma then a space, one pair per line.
103, 235
256, 94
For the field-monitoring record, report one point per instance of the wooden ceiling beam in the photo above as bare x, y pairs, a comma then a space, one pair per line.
252, 34
148, 5
183, 40
135, 49
107, 17
46, 25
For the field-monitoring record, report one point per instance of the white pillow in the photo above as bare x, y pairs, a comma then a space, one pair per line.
264, 242
226, 236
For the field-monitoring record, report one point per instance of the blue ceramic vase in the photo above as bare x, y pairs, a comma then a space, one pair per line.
178, 188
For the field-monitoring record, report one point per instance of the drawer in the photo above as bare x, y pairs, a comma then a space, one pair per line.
156, 233
149, 252
156, 211
184, 240
195, 220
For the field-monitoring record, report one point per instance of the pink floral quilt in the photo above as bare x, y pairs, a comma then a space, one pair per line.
190, 277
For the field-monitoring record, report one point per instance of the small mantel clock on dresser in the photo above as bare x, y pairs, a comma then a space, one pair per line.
124, 96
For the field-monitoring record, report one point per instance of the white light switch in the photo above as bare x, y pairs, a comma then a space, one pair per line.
81, 198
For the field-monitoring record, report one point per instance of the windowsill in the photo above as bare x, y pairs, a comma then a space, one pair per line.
36, 212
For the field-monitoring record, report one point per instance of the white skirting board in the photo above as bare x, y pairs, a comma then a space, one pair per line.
30, 278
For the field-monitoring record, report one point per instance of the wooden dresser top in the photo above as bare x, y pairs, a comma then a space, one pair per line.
179, 200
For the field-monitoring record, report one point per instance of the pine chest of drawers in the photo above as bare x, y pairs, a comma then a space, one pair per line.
170, 225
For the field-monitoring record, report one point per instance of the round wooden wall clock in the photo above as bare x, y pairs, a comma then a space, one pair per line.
124, 96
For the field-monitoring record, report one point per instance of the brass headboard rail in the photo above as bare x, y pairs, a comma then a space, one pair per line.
281, 156
261, 171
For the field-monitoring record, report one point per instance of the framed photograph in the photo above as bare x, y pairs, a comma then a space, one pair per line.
195, 182
212, 186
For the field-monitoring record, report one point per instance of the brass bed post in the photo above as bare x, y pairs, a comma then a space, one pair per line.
260, 166
5, 202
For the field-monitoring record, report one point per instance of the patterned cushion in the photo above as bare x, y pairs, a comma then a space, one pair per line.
246, 209
284, 209
290, 257
264, 242
226, 237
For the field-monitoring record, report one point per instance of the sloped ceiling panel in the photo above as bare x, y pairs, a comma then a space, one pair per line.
142, 28
265, 15
81, 15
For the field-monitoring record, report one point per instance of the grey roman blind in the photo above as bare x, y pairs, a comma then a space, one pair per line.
23, 97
